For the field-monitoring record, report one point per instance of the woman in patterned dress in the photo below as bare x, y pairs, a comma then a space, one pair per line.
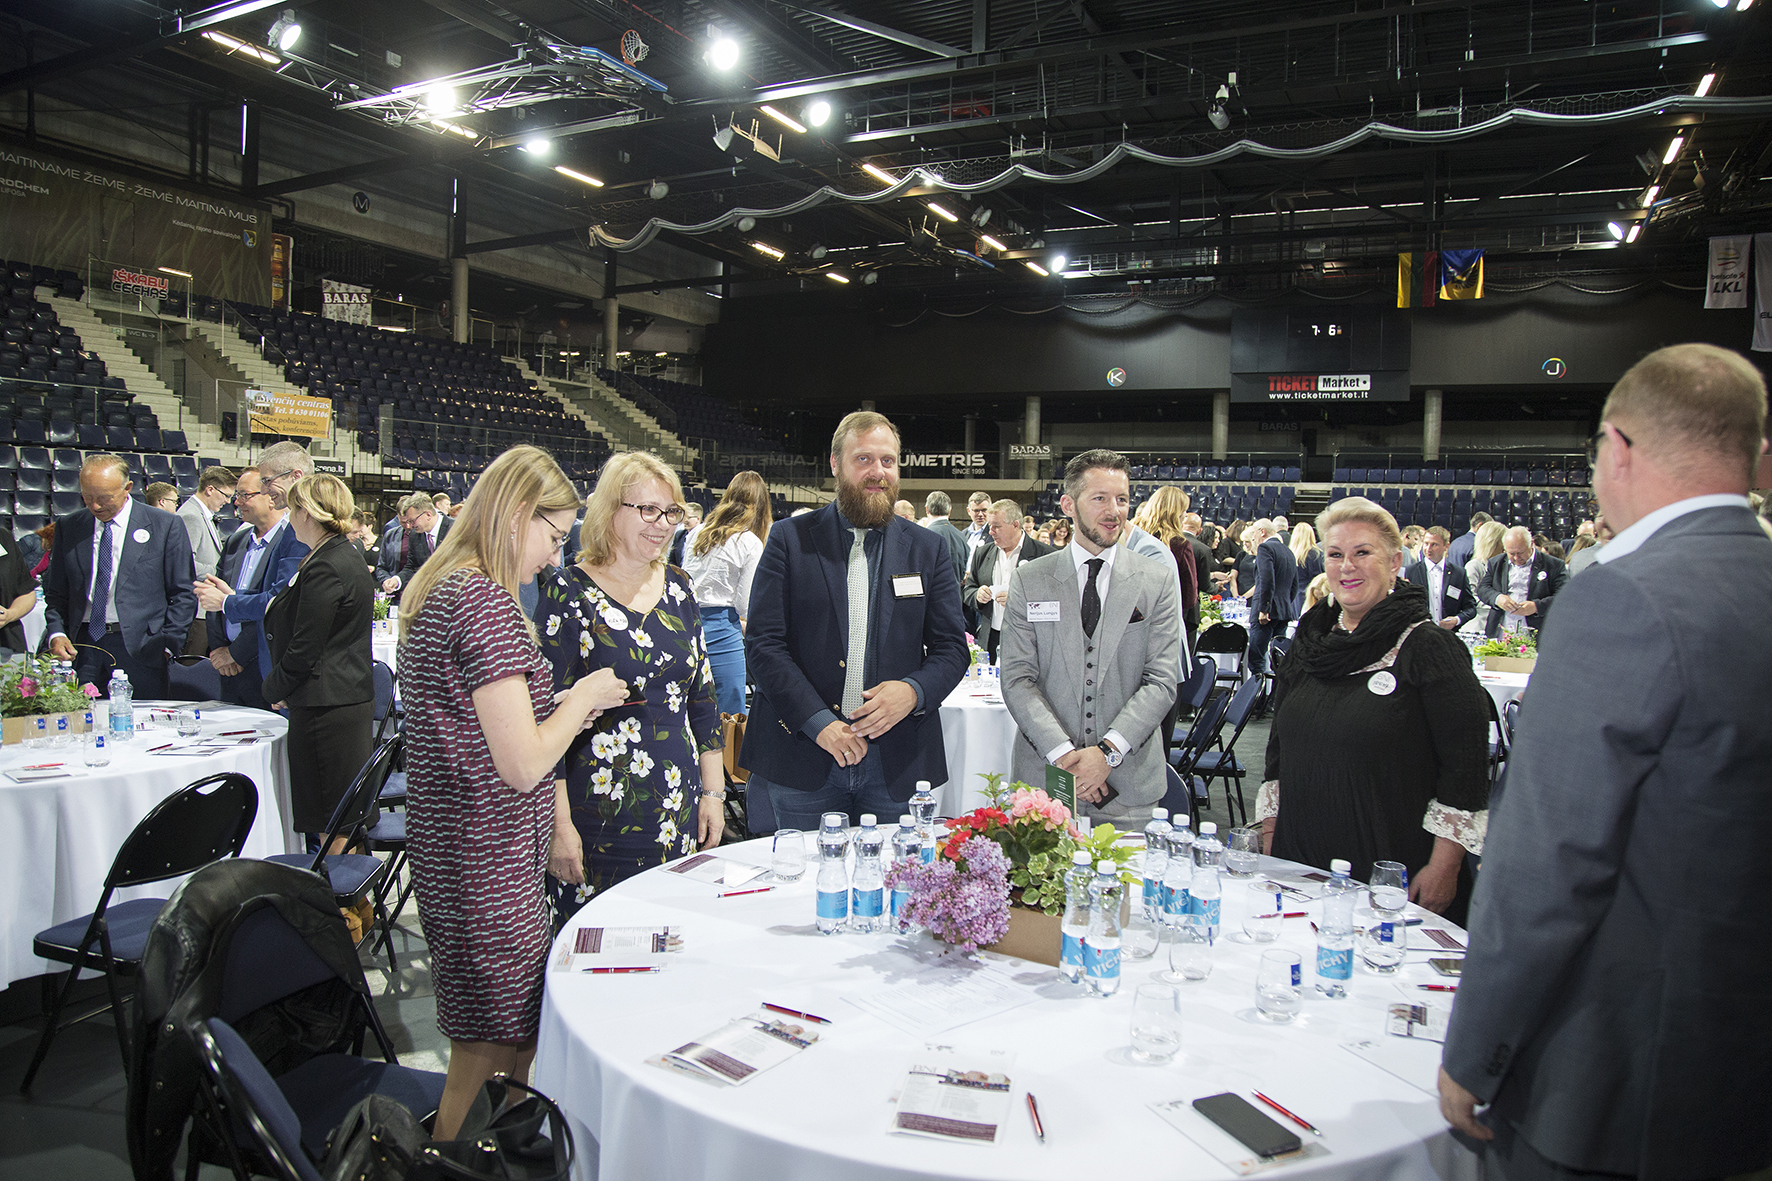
484, 730
645, 785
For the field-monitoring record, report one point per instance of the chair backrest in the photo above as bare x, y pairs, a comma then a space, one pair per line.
1204, 732
384, 690
204, 822
1198, 686
1242, 704
1177, 798
350, 818
1510, 719
249, 1101
1223, 637
197, 681
267, 960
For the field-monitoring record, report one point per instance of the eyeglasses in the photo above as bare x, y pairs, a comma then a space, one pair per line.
242, 497
1594, 440
650, 513
558, 535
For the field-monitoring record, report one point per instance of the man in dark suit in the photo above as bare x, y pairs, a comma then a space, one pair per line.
281, 465
1276, 589
986, 585
425, 530
1203, 567
1519, 584
1612, 1010
119, 579
938, 506
1449, 598
243, 564
1462, 548
853, 639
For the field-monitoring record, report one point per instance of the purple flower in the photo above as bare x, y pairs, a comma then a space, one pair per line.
966, 906
27, 687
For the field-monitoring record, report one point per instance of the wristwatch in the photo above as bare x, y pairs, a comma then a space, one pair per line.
1114, 757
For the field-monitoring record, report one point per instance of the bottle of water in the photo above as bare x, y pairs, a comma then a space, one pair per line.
1178, 874
833, 874
867, 894
1101, 946
1156, 860
1075, 923
1181, 837
907, 846
122, 708
1335, 934
1207, 891
922, 807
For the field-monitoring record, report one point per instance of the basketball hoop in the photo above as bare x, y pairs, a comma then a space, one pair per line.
633, 50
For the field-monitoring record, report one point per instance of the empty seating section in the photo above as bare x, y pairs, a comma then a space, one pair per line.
455, 406
1544, 492
699, 417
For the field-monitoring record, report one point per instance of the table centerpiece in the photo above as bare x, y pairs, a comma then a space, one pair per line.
1514, 652
40, 702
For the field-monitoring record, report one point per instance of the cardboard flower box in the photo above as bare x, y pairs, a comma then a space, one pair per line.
34, 726
1510, 664
1034, 935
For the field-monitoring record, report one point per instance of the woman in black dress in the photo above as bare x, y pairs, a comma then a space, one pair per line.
1379, 748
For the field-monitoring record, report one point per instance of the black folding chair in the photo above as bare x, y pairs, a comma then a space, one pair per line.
1192, 693
1200, 737
353, 876
198, 824
1226, 639
241, 1097
1219, 760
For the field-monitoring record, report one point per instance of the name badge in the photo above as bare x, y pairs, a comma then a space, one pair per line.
1382, 683
1453, 592
1043, 612
1541, 575
907, 586
141, 538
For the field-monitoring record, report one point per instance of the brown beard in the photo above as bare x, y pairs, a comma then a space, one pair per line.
863, 509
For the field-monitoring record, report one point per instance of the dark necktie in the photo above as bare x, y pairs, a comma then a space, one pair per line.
1091, 599
101, 584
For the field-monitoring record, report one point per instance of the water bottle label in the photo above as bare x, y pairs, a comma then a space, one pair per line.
900, 900
1071, 951
867, 903
833, 904
928, 852
1151, 888
1101, 962
1298, 968
1335, 963
1387, 932
1176, 900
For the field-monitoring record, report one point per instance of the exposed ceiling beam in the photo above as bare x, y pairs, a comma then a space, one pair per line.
121, 49
540, 238
441, 153
873, 28
508, 31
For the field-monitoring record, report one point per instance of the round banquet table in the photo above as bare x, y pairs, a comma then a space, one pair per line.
58, 837
825, 1113
979, 736
1503, 687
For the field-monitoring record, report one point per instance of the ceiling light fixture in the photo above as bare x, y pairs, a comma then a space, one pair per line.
871, 278
818, 251
992, 242
1704, 85
884, 177
581, 177
746, 224
942, 212
1673, 149
538, 145
784, 120
723, 53
285, 32
1649, 195
174, 271
1616, 230
1035, 267
1215, 111
1058, 261
835, 277
817, 112
243, 48
658, 190
441, 99
772, 252
1634, 231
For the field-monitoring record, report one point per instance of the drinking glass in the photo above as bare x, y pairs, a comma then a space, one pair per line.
788, 855
1386, 938
1277, 985
1190, 953
1156, 1023
1242, 852
1139, 936
98, 748
187, 724
1264, 912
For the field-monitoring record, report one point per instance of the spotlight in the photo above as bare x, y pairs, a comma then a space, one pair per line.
879, 174
658, 190
538, 145
582, 178
818, 251
941, 212
746, 224
1673, 149
441, 100
981, 216
817, 112
285, 32
784, 120
1616, 230
1216, 113
1058, 261
723, 54
1720, 3
1035, 267
870, 278
992, 242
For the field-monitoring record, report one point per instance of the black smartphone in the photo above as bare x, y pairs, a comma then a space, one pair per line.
1447, 966
1240, 1119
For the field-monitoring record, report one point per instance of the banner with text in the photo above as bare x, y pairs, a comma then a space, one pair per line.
344, 301
289, 414
1726, 283
58, 213
1763, 293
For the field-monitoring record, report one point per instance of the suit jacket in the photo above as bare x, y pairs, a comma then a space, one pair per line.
1546, 579
984, 562
244, 647
1183, 555
797, 639
410, 562
205, 539
1455, 590
1614, 997
1276, 582
275, 570
393, 552
1060, 686
1203, 568
318, 630
155, 602
957, 546
1462, 548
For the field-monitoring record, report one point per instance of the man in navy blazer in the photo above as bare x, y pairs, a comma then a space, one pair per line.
1456, 606
1276, 590
236, 644
847, 712
137, 620
281, 465
1612, 1009
1520, 580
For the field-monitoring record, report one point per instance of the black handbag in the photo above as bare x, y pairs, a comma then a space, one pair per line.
378, 1141
511, 1133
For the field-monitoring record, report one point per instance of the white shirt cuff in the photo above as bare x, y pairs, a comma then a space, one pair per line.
1119, 741
1058, 752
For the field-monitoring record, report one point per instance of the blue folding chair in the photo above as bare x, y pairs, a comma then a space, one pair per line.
1220, 760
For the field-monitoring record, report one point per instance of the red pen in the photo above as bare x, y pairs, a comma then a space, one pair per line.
42, 766
615, 971
165, 746
1439, 987
1305, 1124
796, 1013
1295, 914
1034, 1114
235, 733
736, 893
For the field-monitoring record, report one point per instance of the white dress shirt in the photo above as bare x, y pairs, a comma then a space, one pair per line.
1627, 541
722, 576
1082, 558
1005, 567
1519, 582
1436, 585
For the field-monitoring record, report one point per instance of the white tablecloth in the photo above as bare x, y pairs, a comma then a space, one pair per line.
34, 623
825, 1114
384, 645
58, 837
1504, 687
979, 736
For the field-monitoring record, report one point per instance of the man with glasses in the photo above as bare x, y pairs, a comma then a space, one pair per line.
425, 528
235, 650
279, 467
1519, 584
215, 487
986, 585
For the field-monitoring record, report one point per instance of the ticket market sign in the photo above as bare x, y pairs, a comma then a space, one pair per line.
1320, 387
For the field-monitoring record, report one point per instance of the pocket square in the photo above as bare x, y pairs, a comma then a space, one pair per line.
1137, 617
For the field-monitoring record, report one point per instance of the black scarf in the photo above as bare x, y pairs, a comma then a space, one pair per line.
1325, 651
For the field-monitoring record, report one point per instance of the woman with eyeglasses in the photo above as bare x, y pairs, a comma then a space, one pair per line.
645, 785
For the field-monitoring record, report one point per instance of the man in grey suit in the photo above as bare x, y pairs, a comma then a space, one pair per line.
1091, 642
1519, 584
986, 586
938, 506
1613, 1007
215, 487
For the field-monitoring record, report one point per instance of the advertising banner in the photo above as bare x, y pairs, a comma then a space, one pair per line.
344, 301
288, 414
282, 262
58, 213
1725, 284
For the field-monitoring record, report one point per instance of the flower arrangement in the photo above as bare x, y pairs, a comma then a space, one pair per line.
378, 610
1211, 610
962, 900
1520, 645
31, 687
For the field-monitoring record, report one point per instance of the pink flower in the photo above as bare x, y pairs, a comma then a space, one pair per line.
89, 689
27, 687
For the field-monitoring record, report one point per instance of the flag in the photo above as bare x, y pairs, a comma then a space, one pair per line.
1461, 274
1418, 275
1725, 284
1763, 293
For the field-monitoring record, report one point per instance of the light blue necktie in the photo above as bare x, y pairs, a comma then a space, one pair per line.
853, 671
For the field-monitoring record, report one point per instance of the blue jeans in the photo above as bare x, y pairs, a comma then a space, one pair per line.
852, 791
719, 628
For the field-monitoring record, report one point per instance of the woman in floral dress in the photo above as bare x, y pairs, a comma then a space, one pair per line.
645, 785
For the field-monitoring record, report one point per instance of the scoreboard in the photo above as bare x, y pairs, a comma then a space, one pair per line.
1357, 352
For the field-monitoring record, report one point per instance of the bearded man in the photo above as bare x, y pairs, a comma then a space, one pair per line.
853, 639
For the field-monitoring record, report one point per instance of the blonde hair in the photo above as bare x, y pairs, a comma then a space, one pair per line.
1693, 402
1358, 508
860, 422
1488, 543
744, 507
1317, 591
596, 537
326, 500
1304, 540
1165, 511
513, 489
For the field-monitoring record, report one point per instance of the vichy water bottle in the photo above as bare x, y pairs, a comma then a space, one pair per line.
1156, 860
833, 874
1075, 923
1335, 934
122, 707
922, 807
1207, 892
1178, 874
906, 847
1101, 946
867, 895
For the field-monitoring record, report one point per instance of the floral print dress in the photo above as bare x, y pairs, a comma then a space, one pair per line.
634, 779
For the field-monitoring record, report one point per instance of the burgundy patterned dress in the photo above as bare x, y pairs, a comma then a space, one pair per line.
479, 849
